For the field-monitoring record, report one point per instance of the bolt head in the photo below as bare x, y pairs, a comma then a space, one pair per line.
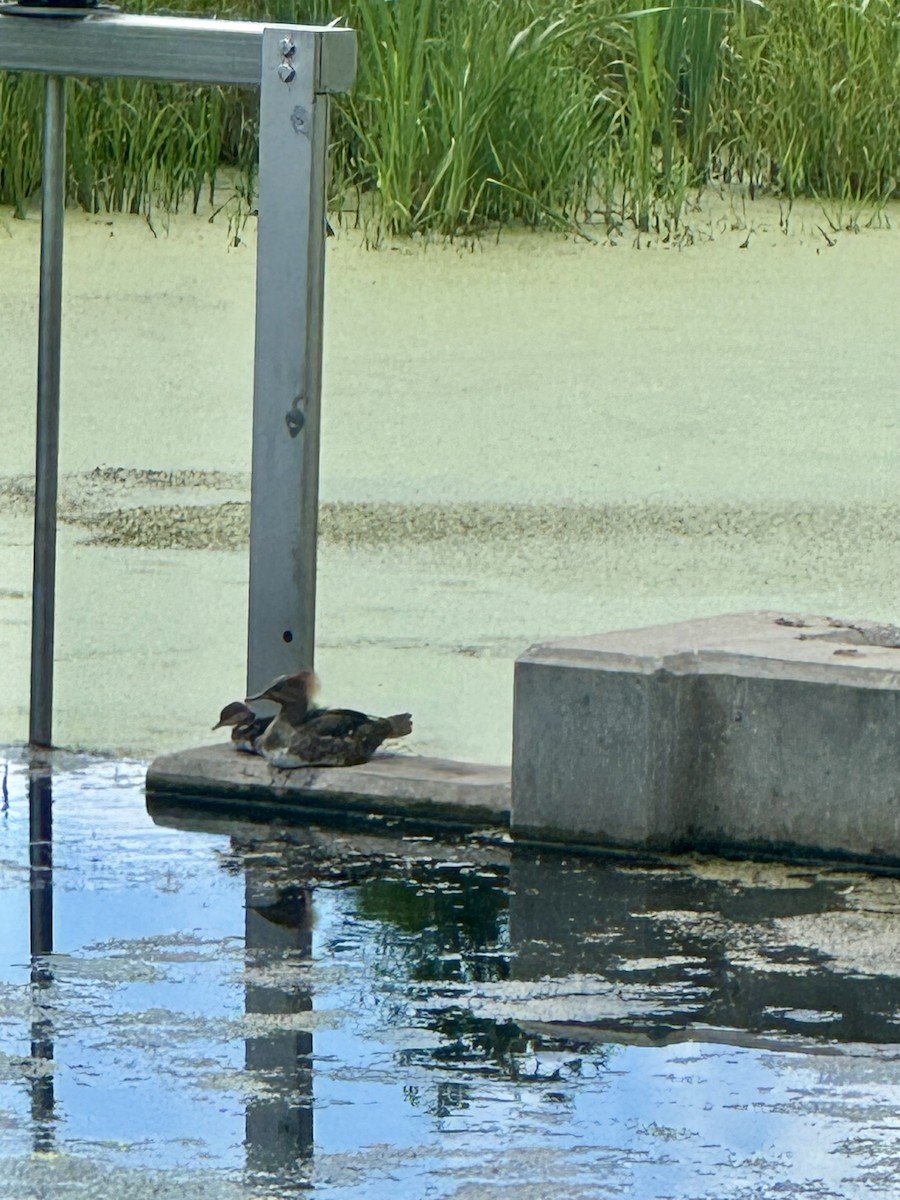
287, 47
286, 73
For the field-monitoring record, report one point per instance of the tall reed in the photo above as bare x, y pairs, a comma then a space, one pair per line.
21, 104
455, 126
474, 111
831, 126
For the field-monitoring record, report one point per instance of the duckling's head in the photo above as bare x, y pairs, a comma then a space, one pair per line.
290, 691
235, 714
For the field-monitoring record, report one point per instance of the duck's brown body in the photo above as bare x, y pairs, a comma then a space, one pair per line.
301, 736
338, 737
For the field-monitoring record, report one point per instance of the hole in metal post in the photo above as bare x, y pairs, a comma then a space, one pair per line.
288, 636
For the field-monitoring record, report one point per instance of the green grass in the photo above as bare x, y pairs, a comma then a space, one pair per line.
475, 112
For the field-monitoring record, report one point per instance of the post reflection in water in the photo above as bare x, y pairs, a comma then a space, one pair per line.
278, 931
40, 806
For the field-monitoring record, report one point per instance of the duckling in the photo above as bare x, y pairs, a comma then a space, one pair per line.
246, 726
302, 736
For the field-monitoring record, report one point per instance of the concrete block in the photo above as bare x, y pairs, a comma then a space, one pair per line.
778, 734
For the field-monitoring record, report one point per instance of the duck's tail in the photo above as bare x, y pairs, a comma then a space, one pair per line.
400, 724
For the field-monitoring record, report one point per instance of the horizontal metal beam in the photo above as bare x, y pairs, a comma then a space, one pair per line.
190, 50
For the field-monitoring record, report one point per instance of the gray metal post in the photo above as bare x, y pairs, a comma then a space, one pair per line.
287, 373
47, 453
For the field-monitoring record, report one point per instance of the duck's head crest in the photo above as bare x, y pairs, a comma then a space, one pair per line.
289, 689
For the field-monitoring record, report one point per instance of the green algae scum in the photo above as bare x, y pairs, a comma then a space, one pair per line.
234, 1010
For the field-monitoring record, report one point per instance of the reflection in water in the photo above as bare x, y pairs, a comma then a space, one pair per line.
529, 966
40, 812
278, 931
674, 955
446, 923
40, 805
484, 1016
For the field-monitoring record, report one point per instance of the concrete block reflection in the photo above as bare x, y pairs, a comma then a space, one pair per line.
675, 953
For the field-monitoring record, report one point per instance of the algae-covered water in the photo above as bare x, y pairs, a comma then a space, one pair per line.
523, 438
234, 1010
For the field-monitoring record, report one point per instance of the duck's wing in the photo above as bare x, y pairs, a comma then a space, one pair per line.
343, 737
334, 722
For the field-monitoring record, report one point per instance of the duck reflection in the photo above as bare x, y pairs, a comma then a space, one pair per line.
40, 811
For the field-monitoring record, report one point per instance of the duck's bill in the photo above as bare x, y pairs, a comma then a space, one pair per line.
218, 725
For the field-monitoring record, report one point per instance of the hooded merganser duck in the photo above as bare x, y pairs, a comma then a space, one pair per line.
302, 736
292, 695
246, 726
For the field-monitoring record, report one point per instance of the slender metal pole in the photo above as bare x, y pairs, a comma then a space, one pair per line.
47, 454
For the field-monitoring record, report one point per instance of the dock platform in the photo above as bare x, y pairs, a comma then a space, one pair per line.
463, 794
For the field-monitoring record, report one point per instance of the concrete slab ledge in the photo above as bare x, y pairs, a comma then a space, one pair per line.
461, 794
761, 645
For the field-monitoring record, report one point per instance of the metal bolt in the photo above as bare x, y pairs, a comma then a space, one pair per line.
287, 47
286, 72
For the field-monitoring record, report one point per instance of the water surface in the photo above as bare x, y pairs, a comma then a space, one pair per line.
237, 1010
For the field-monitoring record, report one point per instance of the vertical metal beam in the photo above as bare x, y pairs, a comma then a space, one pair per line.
47, 453
293, 135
